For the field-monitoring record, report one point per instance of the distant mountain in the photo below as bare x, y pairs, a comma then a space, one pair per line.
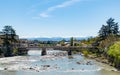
54, 38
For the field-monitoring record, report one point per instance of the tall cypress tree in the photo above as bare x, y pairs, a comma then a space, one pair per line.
71, 41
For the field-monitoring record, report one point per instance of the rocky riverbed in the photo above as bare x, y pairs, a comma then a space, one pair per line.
52, 65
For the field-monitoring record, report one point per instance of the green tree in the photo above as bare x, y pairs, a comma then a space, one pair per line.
71, 41
111, 28
103, 32
108, 34
9, 39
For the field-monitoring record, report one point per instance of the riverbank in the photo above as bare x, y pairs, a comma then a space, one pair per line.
102, 60
98, 58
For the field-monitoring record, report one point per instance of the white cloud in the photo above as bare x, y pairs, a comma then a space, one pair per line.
63, 5
44, 15
68, 3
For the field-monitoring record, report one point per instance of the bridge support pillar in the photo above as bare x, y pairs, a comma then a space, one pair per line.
69, 52
43, 52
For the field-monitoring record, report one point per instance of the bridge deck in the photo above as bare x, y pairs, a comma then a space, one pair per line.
59, 47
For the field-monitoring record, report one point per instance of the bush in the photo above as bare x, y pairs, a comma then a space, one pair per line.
85, 53
114, 51
15, 51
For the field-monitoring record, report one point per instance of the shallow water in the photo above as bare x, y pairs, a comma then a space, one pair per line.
34, 64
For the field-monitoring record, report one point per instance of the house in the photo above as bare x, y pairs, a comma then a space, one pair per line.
23, 42
76, 43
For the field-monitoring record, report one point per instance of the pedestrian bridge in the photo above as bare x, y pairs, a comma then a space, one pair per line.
59, 48
69, 49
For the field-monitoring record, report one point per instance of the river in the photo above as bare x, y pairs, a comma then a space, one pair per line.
34, 64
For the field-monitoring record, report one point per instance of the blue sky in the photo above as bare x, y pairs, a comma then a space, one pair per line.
57, 18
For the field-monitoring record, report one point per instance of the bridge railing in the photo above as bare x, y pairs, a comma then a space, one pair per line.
59, 47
